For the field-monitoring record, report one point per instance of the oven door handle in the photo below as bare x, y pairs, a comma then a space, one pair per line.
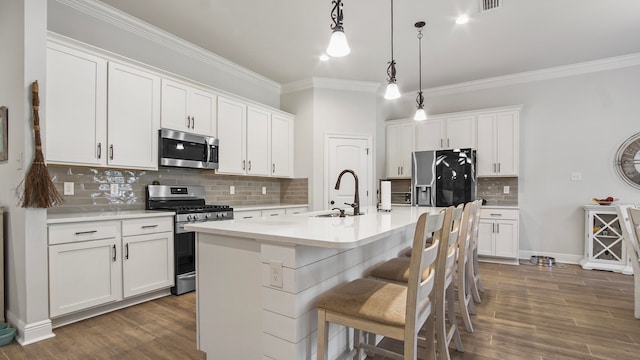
191, 276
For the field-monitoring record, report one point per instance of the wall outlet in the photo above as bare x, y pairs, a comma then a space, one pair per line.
275, 273
113, 189
576, 176
264, 190
68, 188
505, 190
232, 190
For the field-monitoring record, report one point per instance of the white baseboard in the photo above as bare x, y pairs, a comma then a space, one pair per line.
89, 313
560, 258
30, 333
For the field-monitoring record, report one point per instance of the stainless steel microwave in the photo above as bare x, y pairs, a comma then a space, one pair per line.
183, 149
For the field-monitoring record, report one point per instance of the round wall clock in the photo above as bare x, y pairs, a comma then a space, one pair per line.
628, 161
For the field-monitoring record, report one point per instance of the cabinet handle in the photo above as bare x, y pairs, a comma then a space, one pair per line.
244, 162
498, 228
441, 143
99, 151
193, 122
447, 142
496, 214
111, 151
398, 170
114, 253
273, 168
188, 121
86, 232
249, 165
150, 226
498, 167
126, 251
274, 214
493, 230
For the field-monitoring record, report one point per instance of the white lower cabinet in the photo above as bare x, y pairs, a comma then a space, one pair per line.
147, 256
498, 234
83, 275
94, 263
252, 214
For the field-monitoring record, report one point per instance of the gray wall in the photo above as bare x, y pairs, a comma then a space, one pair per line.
574, 123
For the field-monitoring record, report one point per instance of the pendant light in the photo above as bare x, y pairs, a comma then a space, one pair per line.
392, 88
420, 113
338, 45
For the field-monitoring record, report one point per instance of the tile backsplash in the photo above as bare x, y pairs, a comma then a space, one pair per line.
492, 190
92, 188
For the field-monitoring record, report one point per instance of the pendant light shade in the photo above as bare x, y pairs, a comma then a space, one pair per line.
392, 88
392, 91
338, 45
420, 113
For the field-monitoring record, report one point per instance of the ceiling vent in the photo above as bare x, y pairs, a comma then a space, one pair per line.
490, 4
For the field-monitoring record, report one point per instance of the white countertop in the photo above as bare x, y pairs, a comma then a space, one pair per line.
307, 229
62, 218
266, 207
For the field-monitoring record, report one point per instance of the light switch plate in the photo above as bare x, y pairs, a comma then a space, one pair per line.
114, 189
68, 188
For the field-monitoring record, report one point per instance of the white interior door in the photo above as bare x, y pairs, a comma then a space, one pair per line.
348, 153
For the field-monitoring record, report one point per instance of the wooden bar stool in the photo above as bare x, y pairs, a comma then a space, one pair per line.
475, 282
466, 305
395, 270
629, 217
385, 308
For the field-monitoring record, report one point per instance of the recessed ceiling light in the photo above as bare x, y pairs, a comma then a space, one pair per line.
324, 57
462, 19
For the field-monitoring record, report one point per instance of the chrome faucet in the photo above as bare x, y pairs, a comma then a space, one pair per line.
356, 197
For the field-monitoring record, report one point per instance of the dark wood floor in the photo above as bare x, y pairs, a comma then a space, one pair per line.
528, 312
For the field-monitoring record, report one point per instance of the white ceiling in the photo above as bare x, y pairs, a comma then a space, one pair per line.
282, 39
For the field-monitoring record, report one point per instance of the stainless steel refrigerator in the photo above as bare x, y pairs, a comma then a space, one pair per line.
443, 177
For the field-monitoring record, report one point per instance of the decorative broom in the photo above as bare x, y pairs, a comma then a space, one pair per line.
39, 190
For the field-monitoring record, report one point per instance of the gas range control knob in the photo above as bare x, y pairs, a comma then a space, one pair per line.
207, 216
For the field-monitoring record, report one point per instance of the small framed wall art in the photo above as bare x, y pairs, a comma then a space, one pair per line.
4, 132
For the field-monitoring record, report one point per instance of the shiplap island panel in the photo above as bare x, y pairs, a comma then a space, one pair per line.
239, 301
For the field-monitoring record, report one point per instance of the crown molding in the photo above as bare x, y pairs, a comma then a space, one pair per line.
333, 84
140, 28
587, 67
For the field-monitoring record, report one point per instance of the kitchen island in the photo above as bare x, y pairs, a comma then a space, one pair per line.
258, 279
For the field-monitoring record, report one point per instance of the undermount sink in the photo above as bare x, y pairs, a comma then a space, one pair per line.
331, 215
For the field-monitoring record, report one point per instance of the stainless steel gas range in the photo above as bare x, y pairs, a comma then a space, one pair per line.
189, 204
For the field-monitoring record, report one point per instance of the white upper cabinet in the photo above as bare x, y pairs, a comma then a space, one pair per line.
498, 143
232, 123
133, 117
430, 135
399, 147
446, 133
281, 145
258, 141
76, 128
253, 140
188, 108
100, 113
104, 112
